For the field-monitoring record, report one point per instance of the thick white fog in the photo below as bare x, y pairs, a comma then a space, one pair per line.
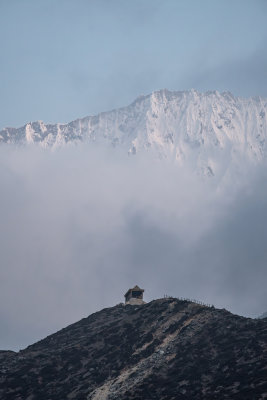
80, 225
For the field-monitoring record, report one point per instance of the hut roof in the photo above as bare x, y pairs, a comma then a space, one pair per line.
137, 288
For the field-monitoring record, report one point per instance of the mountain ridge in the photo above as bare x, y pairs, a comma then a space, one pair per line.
209, 131
165, 349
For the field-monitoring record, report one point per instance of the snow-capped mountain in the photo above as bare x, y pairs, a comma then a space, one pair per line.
206, 129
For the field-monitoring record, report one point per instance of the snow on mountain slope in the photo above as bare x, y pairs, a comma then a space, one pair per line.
208, 130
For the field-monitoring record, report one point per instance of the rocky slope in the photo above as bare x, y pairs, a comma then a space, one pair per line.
165, 349
210, 131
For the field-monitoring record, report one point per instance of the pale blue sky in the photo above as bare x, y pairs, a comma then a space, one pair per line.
64, 59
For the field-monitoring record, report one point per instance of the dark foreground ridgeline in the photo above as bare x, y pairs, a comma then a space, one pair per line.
165, 349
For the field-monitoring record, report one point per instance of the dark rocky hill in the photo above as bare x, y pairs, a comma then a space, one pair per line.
165, 349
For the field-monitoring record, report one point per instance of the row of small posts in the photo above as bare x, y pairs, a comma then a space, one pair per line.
166, 296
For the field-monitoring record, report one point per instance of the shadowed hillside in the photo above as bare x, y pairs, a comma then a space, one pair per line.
165, 349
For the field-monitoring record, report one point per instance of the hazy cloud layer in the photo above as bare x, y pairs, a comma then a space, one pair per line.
81, 225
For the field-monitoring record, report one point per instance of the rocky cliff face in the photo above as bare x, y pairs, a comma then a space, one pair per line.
165, 349
209, 131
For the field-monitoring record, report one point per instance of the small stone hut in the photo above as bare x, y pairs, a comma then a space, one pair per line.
134, 296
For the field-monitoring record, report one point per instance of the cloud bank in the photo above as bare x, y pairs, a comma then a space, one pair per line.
81, 225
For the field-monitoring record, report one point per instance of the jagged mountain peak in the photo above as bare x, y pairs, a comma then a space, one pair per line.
209, 131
